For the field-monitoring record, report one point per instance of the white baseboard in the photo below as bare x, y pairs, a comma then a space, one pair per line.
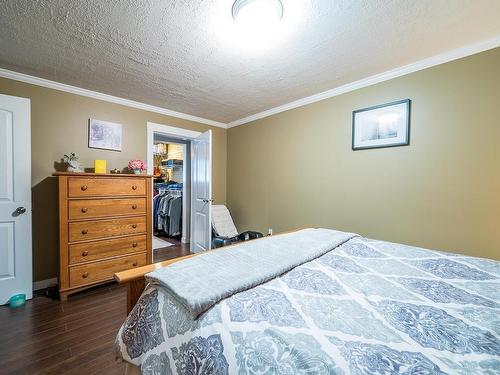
42, 284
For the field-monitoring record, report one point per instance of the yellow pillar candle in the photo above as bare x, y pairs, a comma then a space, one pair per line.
100, 166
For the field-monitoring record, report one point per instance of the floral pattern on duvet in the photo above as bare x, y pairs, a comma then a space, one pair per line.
366, 307
274, 352
142, 330
376, 358
200, 356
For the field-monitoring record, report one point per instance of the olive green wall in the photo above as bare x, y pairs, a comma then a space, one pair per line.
297, 168
59, 123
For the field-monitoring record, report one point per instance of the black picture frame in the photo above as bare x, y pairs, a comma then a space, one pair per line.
407, 125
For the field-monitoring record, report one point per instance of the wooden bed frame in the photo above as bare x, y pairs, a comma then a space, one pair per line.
134, 278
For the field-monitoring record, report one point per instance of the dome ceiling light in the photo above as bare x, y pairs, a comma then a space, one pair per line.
257, 12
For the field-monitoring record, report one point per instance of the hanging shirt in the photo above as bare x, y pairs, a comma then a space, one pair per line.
175, 215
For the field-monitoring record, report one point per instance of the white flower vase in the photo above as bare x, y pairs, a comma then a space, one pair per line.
74, 166
137, 171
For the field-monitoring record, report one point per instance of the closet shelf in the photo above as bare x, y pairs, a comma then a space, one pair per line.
171, 166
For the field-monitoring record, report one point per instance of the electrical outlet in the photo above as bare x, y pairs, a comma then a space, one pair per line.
270, 232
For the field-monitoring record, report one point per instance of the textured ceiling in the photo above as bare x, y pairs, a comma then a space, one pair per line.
184, 55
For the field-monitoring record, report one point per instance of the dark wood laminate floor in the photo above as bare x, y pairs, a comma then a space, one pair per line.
177, 250
46, 336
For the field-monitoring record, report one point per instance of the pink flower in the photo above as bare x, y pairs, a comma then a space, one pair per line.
137, 164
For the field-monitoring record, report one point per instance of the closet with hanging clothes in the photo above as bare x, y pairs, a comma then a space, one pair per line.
167, 209
171, 170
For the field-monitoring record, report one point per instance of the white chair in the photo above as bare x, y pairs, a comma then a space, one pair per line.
224, 230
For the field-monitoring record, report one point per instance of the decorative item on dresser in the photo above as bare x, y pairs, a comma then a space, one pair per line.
73, 162
104, 227
99, 166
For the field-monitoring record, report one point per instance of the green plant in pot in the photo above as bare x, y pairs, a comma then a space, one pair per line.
73, 161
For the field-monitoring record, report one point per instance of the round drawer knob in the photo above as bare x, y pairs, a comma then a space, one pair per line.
134, 187
85, 253
85, 231
84, 209
134, 244
84, 187
134, 226
85, 275
134, 264
134, 206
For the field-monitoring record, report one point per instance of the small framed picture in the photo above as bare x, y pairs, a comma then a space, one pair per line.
385, 125
105, 135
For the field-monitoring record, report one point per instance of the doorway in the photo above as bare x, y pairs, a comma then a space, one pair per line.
182, 193
171, 187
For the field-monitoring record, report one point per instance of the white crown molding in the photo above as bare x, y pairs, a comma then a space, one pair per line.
390, 74
105, 97
365, 82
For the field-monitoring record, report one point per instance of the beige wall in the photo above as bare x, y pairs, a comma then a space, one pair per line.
297, 168
59, 123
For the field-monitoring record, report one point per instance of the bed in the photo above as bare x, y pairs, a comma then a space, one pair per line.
351, 305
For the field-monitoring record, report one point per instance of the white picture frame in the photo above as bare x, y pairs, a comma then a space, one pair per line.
105, 135
384, 125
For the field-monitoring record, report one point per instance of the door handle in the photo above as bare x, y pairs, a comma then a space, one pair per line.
19, 211
207, 200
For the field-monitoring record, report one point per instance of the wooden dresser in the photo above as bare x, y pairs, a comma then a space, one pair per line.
104, 227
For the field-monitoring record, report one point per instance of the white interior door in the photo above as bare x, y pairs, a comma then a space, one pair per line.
15, 198
201, 192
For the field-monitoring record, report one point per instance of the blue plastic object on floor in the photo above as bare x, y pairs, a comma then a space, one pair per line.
17, 300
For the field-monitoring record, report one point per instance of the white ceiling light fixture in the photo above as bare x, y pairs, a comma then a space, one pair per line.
257, 12
257, 24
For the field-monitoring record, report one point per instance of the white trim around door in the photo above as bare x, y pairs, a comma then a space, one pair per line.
169, 131
176, 133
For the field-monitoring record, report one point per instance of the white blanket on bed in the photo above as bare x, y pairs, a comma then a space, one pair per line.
200, 282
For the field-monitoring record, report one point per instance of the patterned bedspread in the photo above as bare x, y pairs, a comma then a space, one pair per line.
366, 307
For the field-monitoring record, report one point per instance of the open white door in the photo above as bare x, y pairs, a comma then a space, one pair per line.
15, 198
201, 192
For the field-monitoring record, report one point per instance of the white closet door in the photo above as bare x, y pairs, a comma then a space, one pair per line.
15, 198
201, 191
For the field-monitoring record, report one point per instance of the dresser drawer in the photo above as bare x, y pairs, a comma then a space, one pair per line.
84, 252
106, 187
88, 230
100, 271
95, 208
